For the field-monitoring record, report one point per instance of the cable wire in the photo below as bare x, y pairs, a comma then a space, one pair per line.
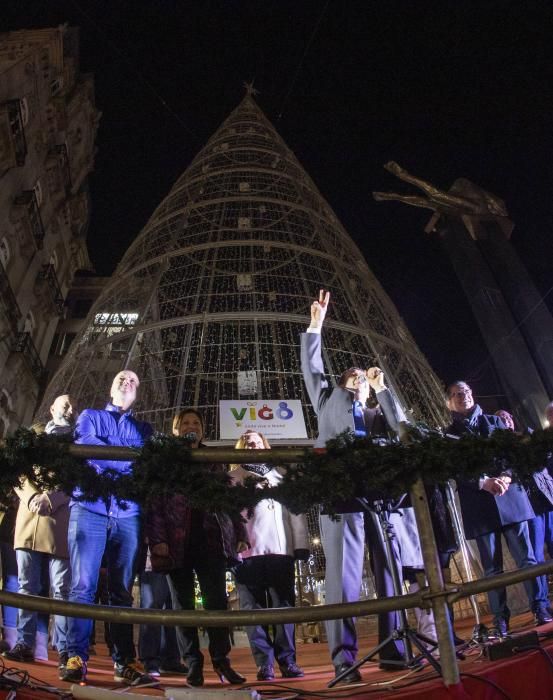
300, 64
134, 68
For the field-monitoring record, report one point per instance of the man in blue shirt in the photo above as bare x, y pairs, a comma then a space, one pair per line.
106, 527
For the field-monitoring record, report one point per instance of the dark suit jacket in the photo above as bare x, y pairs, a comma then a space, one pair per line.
483, 512
334, 405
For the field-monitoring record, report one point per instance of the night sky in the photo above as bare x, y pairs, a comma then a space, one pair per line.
447, 89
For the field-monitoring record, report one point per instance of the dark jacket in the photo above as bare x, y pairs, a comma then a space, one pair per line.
540, 488
334, 408
482, 511
169, 520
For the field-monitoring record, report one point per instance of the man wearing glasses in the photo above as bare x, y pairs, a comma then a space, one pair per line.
492, 506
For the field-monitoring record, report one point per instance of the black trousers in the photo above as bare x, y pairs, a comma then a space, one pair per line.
268, 582
211, 577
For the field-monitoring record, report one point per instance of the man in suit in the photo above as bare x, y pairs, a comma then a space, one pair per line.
338, 409
492, 506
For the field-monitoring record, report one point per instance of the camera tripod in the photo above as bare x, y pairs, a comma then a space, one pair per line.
405, 633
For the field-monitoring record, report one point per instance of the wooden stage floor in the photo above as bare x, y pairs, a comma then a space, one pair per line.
314, 659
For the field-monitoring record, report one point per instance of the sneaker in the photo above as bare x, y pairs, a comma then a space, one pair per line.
542, 616
265, 672
20, 652
500, 627
152, 671
62, 663
132, 674
75, 670
291, 670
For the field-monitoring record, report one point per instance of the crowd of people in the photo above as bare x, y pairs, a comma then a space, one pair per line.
59, 545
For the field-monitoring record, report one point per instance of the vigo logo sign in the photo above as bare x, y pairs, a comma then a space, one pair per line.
275, 419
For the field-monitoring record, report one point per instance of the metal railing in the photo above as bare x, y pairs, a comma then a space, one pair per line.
438, 595
48, 274
13, 312
13, 108
24, 345
27, 199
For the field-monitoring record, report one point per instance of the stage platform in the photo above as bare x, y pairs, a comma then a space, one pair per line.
526, 675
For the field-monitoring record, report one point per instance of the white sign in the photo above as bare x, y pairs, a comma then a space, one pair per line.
277, 420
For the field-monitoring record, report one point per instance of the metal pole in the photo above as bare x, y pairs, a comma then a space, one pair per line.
462, 542
233, 618
482, 585
209, 618
438, 591
279, 455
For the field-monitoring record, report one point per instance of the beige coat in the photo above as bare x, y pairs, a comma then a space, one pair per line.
42, 533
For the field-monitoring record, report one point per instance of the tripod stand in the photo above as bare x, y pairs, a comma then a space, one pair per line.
404, 633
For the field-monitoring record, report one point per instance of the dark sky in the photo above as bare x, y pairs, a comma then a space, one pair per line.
447, 89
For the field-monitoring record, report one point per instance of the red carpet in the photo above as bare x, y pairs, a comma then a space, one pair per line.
528, 675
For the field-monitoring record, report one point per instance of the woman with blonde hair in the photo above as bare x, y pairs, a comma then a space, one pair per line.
184, 540
266, 576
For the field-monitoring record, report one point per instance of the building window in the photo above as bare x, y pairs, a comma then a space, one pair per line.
30, 323
65, 343
56, 85
6, 408
24, 110
81, 307
37, 189
13, 145
5, 252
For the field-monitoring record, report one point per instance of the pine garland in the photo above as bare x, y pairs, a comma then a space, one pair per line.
349, 467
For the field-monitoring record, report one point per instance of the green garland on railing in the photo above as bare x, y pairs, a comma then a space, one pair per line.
349, 467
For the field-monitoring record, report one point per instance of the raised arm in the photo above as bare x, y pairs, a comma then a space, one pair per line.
386, 398
311, 359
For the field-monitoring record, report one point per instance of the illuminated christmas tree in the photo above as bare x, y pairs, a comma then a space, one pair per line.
209, 301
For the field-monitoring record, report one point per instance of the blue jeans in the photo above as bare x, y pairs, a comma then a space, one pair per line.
89, 536
157, 645
11, 584
491, 554
30, 567
541, 534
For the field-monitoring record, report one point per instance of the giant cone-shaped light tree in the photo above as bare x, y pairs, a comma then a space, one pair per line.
209, 301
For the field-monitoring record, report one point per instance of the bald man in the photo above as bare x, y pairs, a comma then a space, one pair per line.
41, 541
106, 527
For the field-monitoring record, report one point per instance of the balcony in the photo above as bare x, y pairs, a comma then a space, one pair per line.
13, 145
58, 156
9, 301
48, 275
28, 201
24, 345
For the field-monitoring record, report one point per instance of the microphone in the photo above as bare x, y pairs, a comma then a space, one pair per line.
190, 437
